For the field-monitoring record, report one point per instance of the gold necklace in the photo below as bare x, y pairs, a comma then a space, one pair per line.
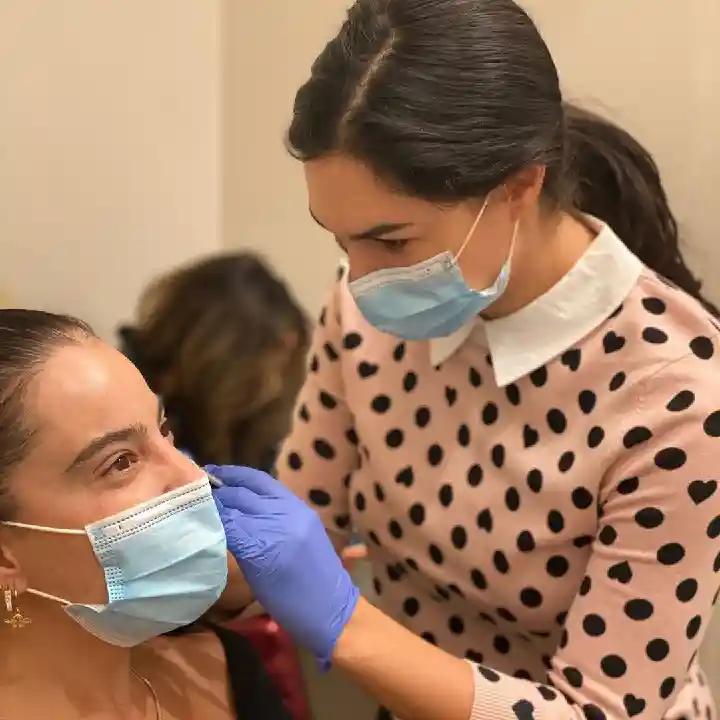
153, 694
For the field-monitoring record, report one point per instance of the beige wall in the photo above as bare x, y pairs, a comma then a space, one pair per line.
110, 142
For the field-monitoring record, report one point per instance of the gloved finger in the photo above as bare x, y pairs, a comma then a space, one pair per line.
242, 501
235, 531
259, 482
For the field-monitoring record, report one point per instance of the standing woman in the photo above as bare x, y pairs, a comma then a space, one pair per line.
506, 398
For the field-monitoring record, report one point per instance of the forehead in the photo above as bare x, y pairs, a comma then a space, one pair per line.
84, 390
346, 197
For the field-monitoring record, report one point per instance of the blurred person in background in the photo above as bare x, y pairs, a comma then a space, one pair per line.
223, 342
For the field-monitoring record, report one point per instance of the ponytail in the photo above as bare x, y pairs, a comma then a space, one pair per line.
618, 181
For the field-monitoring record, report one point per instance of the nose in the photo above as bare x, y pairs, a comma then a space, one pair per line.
180, 469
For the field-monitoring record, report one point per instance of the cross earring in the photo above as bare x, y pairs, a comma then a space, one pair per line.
17, 619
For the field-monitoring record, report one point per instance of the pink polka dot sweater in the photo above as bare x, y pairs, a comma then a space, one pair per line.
540, 495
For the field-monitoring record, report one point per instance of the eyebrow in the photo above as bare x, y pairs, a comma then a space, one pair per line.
373, 232
135, 431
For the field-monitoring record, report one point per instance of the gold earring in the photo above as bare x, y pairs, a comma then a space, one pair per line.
17, 619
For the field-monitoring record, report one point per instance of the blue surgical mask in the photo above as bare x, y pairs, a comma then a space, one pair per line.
427, 300
165, 565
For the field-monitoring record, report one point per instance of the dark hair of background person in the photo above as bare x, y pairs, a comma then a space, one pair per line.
223, 342
27, 339
446, 99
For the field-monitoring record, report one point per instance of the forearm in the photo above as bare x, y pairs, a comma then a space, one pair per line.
413, 678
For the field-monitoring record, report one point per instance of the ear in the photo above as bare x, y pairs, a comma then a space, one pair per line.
524, 187
11, 575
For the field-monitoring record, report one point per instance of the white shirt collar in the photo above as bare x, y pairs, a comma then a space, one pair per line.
557, 320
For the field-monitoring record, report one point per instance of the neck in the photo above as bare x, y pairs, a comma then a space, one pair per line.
537, 265
54, 659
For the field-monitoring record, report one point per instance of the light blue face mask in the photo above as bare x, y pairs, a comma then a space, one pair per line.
427, 300
165, 565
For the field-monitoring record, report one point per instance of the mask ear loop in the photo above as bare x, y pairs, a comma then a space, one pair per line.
472, 230
40, 528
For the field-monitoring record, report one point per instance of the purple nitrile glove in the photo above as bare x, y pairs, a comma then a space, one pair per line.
286, 557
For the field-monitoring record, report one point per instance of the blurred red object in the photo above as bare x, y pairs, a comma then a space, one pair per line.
280, 659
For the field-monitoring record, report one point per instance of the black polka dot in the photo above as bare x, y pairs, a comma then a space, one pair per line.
445, 495
459, 537
701, 490
474, 377
429, 638
410, 381
702, 347
711, 426
531, 597
636, 436
360, 503
405, 477
399, 351
628, 486
506, 615
395, 529
525, 541
498, 456
613, 666
377, 586
566, 461
670, 554
693, 627
474, 475
304, 413
535, 480
488, 674
654, 305
512, 499
324, 449
352, 340
381, 403
585, 586
612, 342
456, 625
436, 554
621, 572
422, 416
394, 438
608, 535
379, 492
485, 520
351, 436
713, 528
490, 414
500, 562
686, 590
294, 461
583, 541
450, 396
417, 514
682, 401
501, 644
512, 392
593, 712
670, 458
463, 435
531, 436
411, 564
435, 455
639, 609
571, 359
649, 518
582, 498
539, 377
374, 539
314, 364
332, 353
587, 401
556, 421
478, 579
320, 498
617, 381
654, 336
594, 625
327, 400
547, 693
557, 566
667, 688
411, 607
595, 437
657, 650
573, 676
555, 521
342, 521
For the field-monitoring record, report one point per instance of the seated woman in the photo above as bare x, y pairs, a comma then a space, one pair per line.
223, 342
109, 540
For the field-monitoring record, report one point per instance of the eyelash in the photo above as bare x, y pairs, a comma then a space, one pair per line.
392, 246
112, 468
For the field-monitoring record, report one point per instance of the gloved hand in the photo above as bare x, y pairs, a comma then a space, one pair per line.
286, 557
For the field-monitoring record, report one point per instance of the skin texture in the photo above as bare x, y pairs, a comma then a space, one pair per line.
82, 392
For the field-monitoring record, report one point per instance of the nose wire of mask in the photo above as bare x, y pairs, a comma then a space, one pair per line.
165, 565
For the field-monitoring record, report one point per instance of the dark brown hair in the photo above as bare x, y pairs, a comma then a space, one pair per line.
27, 339
224, 343
447, 99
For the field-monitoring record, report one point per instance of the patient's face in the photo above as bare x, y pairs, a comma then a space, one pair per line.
100, 446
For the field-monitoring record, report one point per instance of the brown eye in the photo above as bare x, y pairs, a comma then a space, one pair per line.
393, 246
121, 463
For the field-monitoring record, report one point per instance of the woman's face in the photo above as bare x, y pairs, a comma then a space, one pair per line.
379, 228
100, 446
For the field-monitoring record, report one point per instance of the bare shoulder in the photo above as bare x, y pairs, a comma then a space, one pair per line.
189, 675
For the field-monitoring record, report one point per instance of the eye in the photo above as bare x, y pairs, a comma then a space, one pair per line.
121, 464
392, 245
